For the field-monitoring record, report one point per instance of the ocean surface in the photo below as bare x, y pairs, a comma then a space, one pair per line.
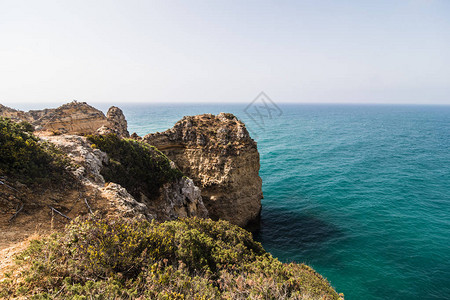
360, 193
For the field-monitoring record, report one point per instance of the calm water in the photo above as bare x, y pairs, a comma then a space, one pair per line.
360, 193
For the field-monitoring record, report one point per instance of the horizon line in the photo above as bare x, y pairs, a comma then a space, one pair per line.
59, 103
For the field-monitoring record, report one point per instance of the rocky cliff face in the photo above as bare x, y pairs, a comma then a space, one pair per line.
177, 199
71, 118
14, 114
219, 155
117, 121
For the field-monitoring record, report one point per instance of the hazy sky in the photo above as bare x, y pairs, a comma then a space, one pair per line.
225, 51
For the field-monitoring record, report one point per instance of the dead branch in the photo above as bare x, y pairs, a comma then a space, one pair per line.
16, 213
87, 204
58, 212
2, 183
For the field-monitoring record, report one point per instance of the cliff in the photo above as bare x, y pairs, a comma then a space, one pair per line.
222, 159
71, 118
14, 114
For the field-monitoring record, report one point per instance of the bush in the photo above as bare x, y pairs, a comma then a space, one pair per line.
24, 157
183, 259
137, 166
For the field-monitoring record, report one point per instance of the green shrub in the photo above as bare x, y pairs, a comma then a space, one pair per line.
137, 166
24, 157
183, 259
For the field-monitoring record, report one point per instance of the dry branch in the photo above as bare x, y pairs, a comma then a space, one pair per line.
1, 182
58, 212
16, 213
87, 204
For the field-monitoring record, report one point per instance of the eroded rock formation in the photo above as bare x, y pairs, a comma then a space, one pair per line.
71, 118
222, 159
14, 114
117, 121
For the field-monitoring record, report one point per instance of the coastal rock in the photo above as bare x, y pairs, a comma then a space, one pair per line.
14, 114
219, 155
104, 130
72, 118
117, 121
122, 203
179, 199
135, 136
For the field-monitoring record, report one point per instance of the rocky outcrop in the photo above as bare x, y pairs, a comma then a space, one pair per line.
88, 161
177, 199
14, 114
222, 159
122, 203
72, 118
117, 121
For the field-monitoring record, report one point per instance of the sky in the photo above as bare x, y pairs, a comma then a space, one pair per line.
395, 51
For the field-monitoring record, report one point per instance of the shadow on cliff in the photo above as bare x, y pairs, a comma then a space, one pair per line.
294, 232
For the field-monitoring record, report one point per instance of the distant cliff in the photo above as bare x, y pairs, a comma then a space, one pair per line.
71, 118
222, 159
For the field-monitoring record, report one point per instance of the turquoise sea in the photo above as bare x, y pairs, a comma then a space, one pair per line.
360, 193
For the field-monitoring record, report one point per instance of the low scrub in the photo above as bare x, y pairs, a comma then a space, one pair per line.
137, 166
25, 158
193, 258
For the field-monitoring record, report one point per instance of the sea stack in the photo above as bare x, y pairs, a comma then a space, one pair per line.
217, 152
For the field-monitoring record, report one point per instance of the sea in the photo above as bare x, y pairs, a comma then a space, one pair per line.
359, 192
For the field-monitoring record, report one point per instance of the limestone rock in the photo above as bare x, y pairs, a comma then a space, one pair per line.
88, 161
221, 158
71, 118
179, 199
117, 121
104, 130
124, 204
14, 114
135, 136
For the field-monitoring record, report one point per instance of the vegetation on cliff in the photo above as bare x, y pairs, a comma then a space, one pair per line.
137, 166
185, 259
25, 158
99, 258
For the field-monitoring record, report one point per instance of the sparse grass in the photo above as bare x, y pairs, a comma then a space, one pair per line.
185, 259
137, 166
